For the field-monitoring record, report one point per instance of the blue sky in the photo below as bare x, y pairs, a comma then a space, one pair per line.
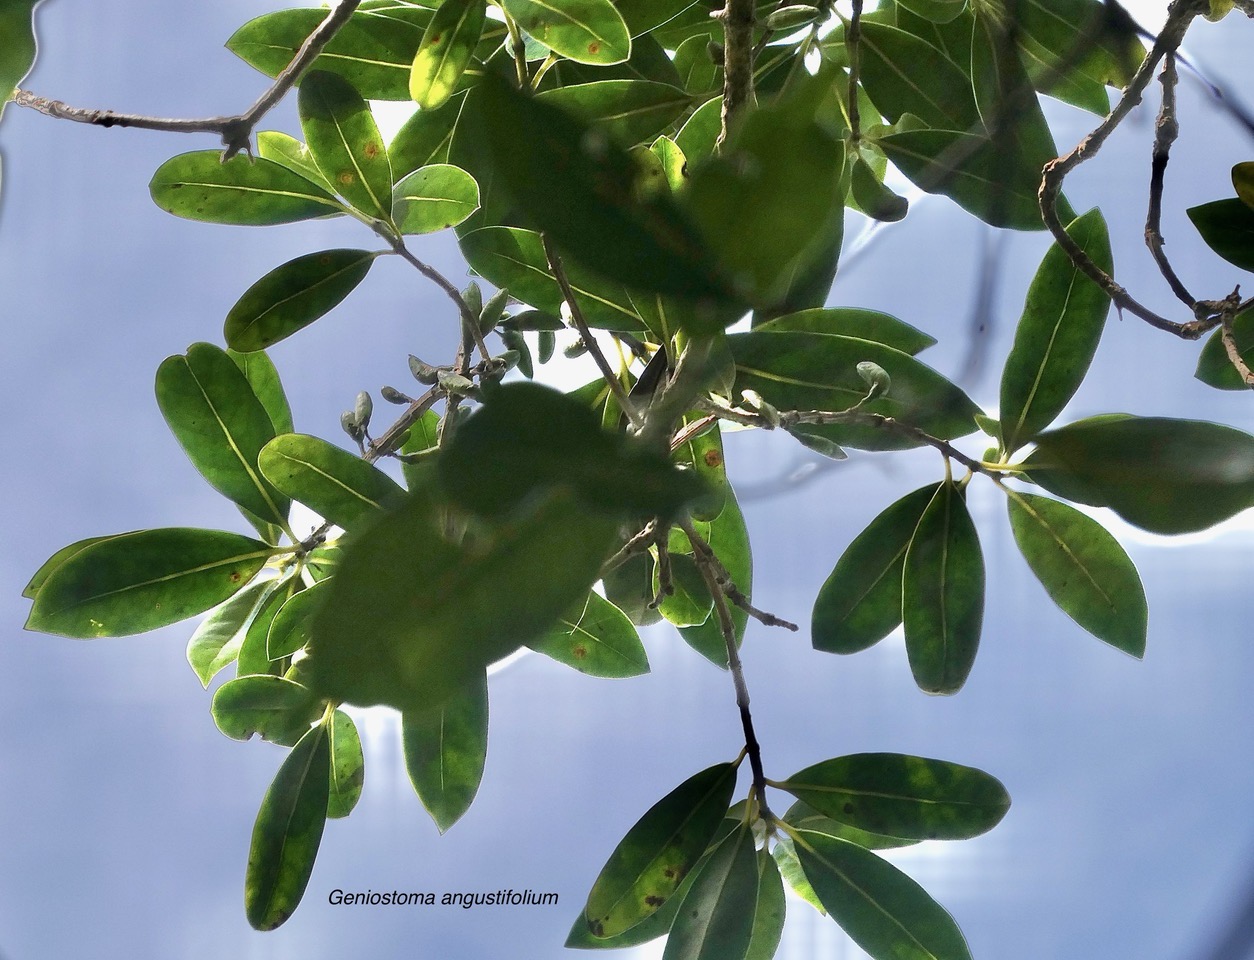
126, 815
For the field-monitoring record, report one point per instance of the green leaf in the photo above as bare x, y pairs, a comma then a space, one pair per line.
595, 638
696, 138
860, 602
254, 653
942, 595
586, 31
971, 170
221, 425
766, 202
645, 16
55, 561
811, 371
729, 538
902, 796
338, 486
885, 912
445, 747
871, 196
446, 50
434, 198
703, 454
937, 11
374, 51
630, 111
768, 918
345, 143
1163, 475
291, 153
1227, 226
217, 639
1057, 335
784, 853
287, 832
854, 322
904, 74
715, 921
701, 76
294, 295
1083, 568
650, 862
690, 604
290, 628
513, 259
17, 45
410, 616
262, 376
629, 586
1213, 366
278, 709
348, 766
582, 190
135, 582
424, 138
1243, 182
805, 817
527, 437
243, 191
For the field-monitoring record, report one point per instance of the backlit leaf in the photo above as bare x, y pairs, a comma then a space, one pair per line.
630, 111
854, 322
294, 295
334, 483
345, 142
1213, 366
287, 832
729, 539
289, 631
586, 31
1227, 226
280, 710
423, 139
715, 921
17, 45
135, 582
446, 49
434, 198
445, 748
348, 766
942, 599
260, 372
650, 862
242, 191
595, 638
768, 917
217, 639
289, 152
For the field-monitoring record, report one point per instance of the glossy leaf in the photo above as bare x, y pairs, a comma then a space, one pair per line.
281, 711
262, 376
289, 152
645, 16
1083, 568
345, 143
971, 170
942, 598
595, 638
348, 766
860, 602
242, 191
715, 921
630, 111
446, 50
892, 60
586, 31
1057, 335
902, 796
17, 45
254, 653
50, 565
650, 862
703, 454
853, 322
135, 582
221, 425
1164, 475
581, 191
434, 197
1213, 366
768, 917
729, 538
445, 748
938, 11
411, 616
424, 138
289, 630
513, 259
784, 853
374, 51
287, 832
1227, 226
217, 639
885, 912
696, 138
812, 371
805, 817
527, 437
294, 295
338, 486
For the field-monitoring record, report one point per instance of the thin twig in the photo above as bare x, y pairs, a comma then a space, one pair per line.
236, 131
728, 629
1234, 353
853, 35
1166, 129
581, 324
638, 543
728, 584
